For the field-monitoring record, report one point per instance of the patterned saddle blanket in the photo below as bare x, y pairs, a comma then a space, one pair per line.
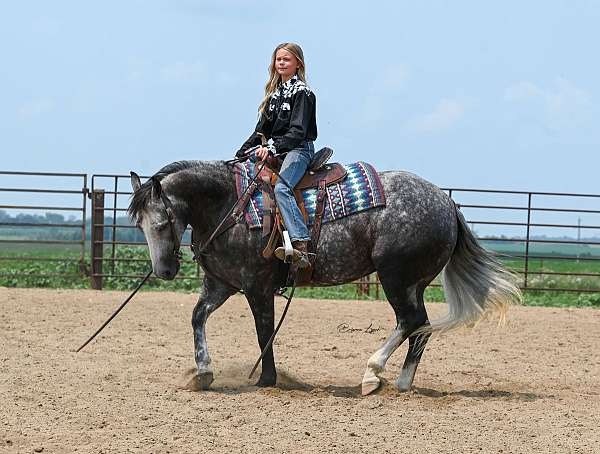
361, 190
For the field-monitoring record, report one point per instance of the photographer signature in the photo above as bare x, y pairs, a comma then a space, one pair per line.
346, 328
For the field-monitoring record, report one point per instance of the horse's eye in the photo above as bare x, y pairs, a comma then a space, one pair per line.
161, 225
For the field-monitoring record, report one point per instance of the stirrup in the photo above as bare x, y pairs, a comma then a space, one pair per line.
297, 258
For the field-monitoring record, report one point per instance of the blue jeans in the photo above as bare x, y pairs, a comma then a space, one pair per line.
292, 170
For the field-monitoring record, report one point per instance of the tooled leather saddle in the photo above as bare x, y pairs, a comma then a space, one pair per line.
319, 175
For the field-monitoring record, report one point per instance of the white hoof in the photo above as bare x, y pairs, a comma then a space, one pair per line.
370, 384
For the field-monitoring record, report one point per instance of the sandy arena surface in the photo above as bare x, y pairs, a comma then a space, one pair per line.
532, 386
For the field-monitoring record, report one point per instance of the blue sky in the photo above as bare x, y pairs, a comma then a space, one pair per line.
498, 95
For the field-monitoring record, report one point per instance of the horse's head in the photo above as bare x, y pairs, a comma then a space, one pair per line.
156, 214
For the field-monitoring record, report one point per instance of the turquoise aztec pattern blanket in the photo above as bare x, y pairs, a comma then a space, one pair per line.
361, 190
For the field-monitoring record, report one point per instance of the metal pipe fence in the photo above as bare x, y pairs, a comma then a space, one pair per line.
537, 234
111, 228
50, 198
542, 260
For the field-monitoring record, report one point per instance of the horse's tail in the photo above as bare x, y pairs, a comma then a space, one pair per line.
475, 284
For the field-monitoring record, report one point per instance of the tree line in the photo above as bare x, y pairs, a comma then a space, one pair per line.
62, 231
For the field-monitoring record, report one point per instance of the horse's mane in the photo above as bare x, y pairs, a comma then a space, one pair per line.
141, 197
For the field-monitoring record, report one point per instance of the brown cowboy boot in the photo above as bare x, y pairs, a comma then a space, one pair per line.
299, 255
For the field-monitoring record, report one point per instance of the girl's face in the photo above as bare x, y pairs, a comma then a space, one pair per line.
286, 64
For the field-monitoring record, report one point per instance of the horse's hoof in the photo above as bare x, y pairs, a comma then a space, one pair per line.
403, 387
370, 386
266, 382
404, 384
204, 380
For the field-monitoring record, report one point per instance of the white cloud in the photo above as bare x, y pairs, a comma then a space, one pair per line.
522, 91
180, 71
567, 97
564, 98
446, 114
35, 108
138, 69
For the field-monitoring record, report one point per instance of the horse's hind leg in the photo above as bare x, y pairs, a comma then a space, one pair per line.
416, 346
410, 315
377, 361
213, 295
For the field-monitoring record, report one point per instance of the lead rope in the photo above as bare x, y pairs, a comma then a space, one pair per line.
116, 312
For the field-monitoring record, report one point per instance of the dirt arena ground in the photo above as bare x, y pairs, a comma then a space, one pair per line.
532, 386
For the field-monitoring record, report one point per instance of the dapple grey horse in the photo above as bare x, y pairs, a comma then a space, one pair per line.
418, 234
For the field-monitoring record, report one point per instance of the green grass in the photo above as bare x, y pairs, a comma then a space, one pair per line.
518, 247
24, 274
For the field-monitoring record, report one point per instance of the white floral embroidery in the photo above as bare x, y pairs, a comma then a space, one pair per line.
286, 91
293, 86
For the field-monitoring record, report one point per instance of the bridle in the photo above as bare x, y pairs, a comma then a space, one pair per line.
230, 219
168, 206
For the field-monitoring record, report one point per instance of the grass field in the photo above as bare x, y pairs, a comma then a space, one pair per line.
33, 265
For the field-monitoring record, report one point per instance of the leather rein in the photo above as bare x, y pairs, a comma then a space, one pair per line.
168, 205
228, 221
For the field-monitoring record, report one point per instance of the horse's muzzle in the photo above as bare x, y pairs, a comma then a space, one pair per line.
168, 272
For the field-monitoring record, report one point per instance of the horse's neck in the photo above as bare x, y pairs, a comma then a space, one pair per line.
209, 192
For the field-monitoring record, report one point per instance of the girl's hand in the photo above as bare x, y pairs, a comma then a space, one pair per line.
262, 153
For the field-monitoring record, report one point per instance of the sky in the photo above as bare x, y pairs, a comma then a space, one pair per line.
495, 95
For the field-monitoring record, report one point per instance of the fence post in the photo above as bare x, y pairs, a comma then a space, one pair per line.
361, 287
97, 237
527, 241
82, 265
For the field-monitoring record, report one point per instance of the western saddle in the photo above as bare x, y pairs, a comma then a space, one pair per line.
319, 175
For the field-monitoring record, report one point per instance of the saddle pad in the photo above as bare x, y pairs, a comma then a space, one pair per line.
361, 190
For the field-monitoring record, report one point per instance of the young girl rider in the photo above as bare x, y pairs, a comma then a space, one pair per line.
287, 115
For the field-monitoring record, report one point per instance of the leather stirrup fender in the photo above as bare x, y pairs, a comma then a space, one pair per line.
275, 234
304, 276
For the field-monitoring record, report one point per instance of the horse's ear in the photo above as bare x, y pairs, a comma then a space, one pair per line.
135, 181
156, 188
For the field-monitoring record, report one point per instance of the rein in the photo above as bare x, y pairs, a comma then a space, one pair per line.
168, 205
176, 250
231, 218
116, 312
233, 215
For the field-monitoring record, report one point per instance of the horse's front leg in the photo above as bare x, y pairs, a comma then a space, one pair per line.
213, 295
262, 305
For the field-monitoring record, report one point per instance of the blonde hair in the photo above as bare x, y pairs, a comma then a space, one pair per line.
275, 78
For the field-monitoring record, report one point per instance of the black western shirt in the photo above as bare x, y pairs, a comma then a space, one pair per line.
289, 118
